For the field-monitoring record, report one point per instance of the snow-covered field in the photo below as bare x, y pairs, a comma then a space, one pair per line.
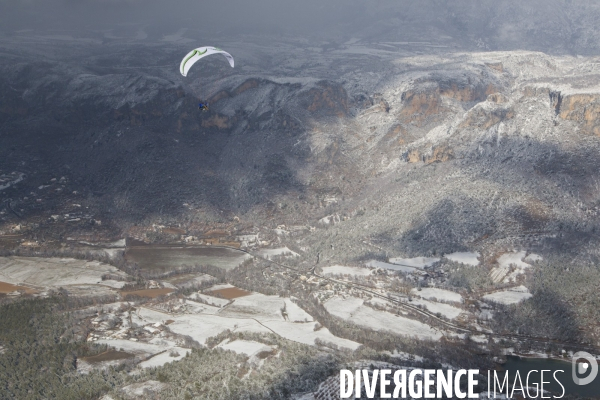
514, 258
437, 294
204, 298
352, 309
342, 270
511, 265
305, 333
259, 305
254, 313
55, 272
202, 326
469, 258
509, 296
446, 310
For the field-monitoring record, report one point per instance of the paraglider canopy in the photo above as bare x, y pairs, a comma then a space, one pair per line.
201, 52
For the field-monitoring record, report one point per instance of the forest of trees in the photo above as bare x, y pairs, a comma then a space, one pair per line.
564, 306
40, 353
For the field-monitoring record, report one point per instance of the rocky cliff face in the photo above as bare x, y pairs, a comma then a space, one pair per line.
584, 109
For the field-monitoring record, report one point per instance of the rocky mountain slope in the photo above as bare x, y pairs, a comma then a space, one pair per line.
422, 153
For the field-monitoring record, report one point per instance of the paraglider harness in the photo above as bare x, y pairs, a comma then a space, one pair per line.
203, 106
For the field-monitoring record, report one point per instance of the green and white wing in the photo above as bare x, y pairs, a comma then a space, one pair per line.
201, 52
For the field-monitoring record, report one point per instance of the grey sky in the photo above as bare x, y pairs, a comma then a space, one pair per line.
97, 13
564, 26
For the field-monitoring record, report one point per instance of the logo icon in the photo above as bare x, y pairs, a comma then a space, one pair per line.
584, 364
